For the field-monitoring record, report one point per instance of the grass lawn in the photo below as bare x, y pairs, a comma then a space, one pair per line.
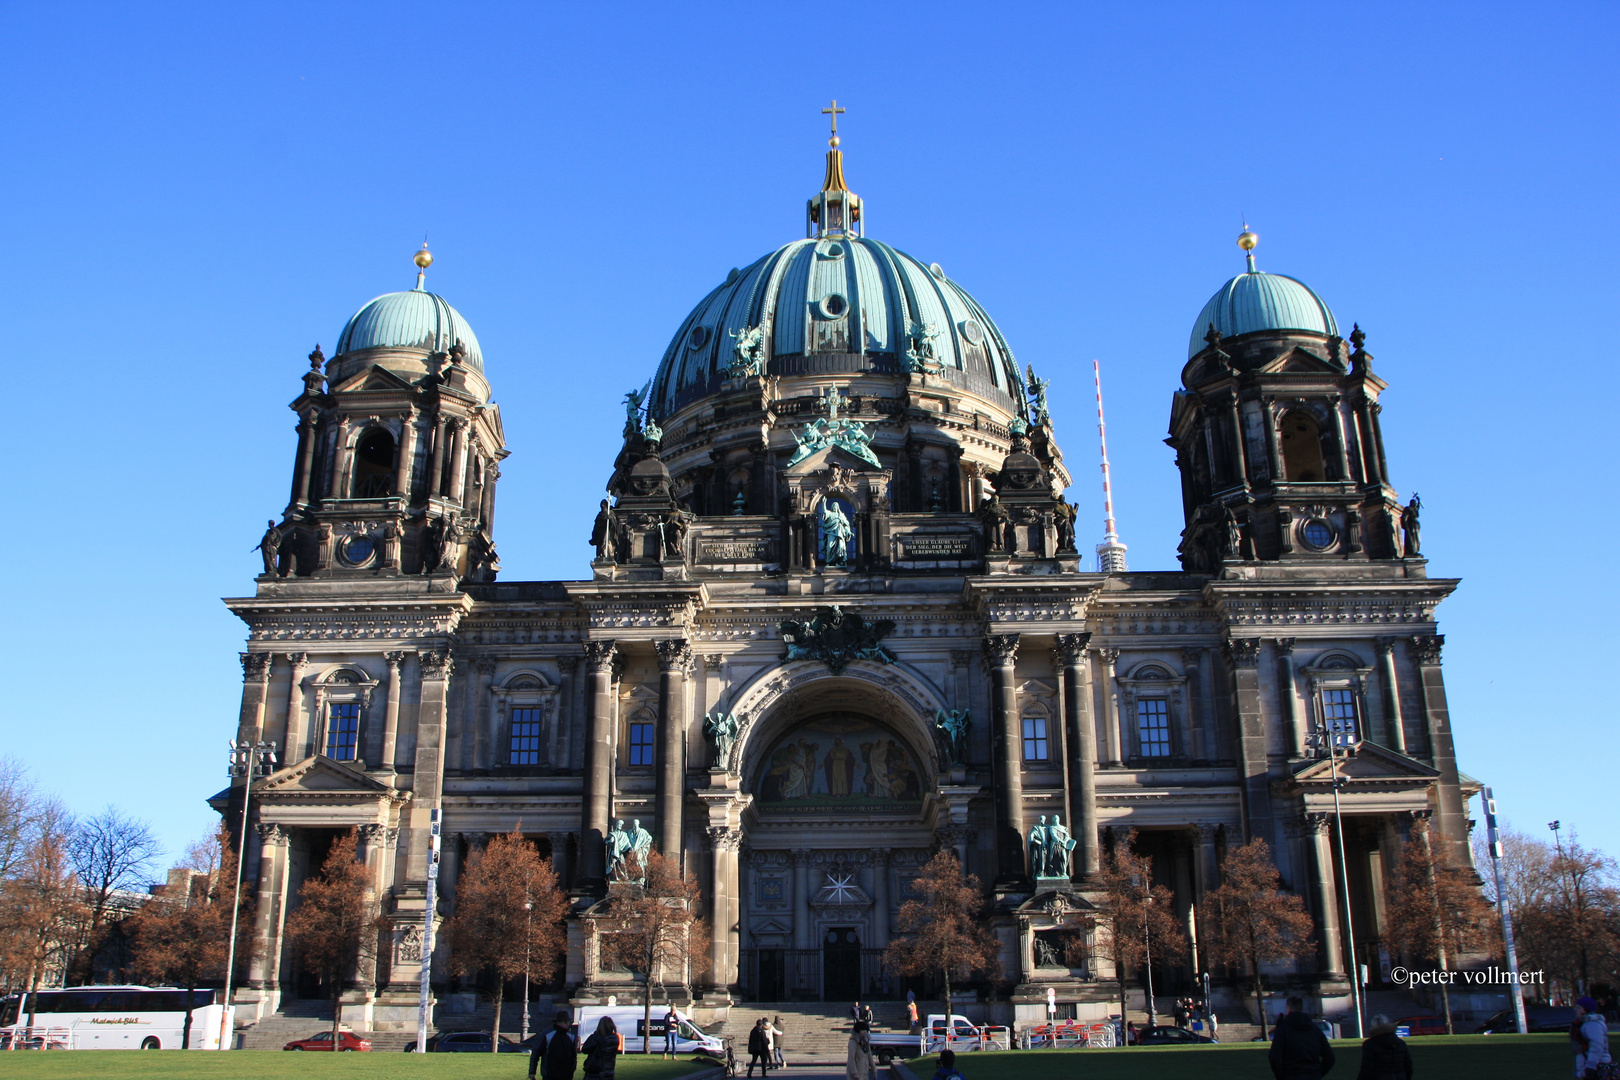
1476, 1057
241, 1064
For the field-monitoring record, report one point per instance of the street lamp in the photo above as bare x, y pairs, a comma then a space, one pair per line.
528, 936
1333, 740
249, 762
1147, 942
1572, 897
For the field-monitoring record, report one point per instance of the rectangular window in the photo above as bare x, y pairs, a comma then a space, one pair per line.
524, 748
1035, 738
342, 731
1153, 726
641, 744
1339, 713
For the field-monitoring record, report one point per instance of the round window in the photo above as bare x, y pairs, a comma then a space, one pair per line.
358, 550
973, 332
698, 338
833, 251
937, 270
833, 306
1317, 534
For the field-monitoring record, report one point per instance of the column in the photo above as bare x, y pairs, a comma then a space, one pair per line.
1111, 721
1317, 827
596, 807
674, 658
255, 688
481, 717
1373, 411
370, 851
407, 455
723, 843
336, 488
1289, 692
559, 857
390, 745
435, 484
1200, 741
487, 510
1268, 413
880, 898
562, 722
1002, 652
428, 783
265, 962
802, 936
1338, 431
1241, 459
1452, 818
458, 459
1394, 725
1207, 866
306, 458
1244, 656
297, 715
1082, 752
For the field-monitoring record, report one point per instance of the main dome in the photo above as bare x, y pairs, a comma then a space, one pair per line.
838, 304
1258, 301
414, 319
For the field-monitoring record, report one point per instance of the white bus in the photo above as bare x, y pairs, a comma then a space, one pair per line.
110, 1018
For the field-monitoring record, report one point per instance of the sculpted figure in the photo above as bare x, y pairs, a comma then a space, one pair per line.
953, 728
640, 847
1038, 846
633, 400
1065, 514
1409, 525
996, 520
619, 846
270, 546
1234, 533
604, 531
836, 533
432, 545
721, 731
1058, 846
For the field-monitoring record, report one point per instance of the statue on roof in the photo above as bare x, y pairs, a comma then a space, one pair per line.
1037, 394
633, 400
920, 355
748, 352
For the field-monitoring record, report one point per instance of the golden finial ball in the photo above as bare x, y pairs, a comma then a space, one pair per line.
423, 258
1248, 240
833, 142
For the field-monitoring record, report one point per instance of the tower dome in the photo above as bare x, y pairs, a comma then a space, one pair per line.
1258, 301
414, 319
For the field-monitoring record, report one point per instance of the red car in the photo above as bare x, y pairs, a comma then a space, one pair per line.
347, 1040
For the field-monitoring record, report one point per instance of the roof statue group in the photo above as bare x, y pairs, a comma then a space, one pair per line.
627, 852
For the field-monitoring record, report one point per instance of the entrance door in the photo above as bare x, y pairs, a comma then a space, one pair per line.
770, 976
841, 964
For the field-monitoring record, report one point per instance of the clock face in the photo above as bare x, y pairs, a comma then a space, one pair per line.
358, 550
1317, 533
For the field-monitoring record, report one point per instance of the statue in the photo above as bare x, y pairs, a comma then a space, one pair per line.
1045, 954
622, 863
747, 354
1037, 393
672, 536
633, 400
1038, 844
1065, 514
270, 545
836, 637
1059, 844
953, 728
604, 533
1409, 525
836, 533
452, 540
1234, 533
920, 356
996, 521
432, 545
640, 847
721, 731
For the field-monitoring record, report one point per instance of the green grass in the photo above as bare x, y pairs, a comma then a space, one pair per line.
1476, 1057
237, 1064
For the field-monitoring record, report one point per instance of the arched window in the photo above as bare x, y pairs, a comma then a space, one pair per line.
373, 465
1302, 448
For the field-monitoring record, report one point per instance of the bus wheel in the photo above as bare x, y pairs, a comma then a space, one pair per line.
151, 1043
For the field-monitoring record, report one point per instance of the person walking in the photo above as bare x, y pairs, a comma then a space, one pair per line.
914, 1022
759, 1047
859, 1065
602, 1050
778, 1033
671, 1023
947, 1067
1300, 1051
555, 1055
1590, 1036
1384, 1056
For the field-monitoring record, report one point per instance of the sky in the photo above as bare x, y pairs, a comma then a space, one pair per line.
195, 195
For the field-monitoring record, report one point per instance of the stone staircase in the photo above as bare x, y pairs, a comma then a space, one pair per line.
817, 1031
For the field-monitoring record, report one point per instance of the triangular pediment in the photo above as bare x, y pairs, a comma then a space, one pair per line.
762, 927
829, 456
373, 378
1369, 762
1301, 361
1056, 903
321, 775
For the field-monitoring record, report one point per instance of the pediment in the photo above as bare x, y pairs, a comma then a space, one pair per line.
1055, 904
1369, 762
828, 456
1301, 361
373, 378
761, 927
322, 776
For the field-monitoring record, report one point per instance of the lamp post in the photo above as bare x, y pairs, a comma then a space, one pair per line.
1147, 941
249, 762
1495, 842
1573, 899
1332, 740
528, 936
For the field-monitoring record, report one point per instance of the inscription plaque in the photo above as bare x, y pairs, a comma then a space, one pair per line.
935, 547
737, 551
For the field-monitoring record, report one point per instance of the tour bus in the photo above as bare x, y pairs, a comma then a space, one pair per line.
110, 1018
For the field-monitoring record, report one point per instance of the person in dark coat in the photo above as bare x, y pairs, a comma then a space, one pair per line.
602, 1050
1299, 1051
555, 1055
1384, 1056
759, 1048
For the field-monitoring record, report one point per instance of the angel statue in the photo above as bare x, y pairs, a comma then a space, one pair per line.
721, 730
1037, 393
745, 354
633, 400
953, 728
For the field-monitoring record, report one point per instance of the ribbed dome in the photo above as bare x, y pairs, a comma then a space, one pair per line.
415, 319
832, 305
1257, 301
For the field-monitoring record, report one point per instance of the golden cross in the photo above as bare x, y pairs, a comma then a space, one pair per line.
834, 110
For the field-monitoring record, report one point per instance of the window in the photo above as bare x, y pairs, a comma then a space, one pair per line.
1302, 448
342, 730
1153, 726
641, 744
1339, 711
373, 465
1035, 738
525, 744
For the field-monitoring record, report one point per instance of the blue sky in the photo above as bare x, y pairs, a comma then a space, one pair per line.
196, 195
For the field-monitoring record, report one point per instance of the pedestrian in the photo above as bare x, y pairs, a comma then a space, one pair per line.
555, 1054
602, 1050
859, 1064
759, 1048
778, 1033
914, 1022
1299, 1051
855, 1013
671, 1023
947, 1067
1384, 1055
1181, 1012
1590, 1035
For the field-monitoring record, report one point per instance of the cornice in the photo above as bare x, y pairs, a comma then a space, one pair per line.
1328, 604
379, 619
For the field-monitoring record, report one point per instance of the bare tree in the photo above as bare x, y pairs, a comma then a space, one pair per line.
1134, 917
652, 929
182, 935
509, 916
940, 931
335, 926
110, 853
40, 902
1251, 920
1435, 910
18, 810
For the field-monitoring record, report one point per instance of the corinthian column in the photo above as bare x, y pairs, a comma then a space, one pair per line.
674, 658
598, 765
1327, 895
255, 686
723, 843
1002, 652
297, 718
1451, 819
391, 710
1392, 695
1071, 650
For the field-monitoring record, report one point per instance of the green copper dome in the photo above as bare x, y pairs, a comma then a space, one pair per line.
1256, 301
414, 319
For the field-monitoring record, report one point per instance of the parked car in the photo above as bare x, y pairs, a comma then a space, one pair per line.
689, 1037
1539, 1017
466, 1042
1422, 1025
347, 1040
1165, 1035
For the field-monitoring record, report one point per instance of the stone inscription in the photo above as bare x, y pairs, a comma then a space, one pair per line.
935, 547
737, 551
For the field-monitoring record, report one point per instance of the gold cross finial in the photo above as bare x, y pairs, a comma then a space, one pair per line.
833, 110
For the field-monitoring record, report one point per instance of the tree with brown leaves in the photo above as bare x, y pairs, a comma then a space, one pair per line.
1135, 918
940, 932
183, 937
335, 927
1435, 910
1251, 920
508, 918
652, 928
41, 903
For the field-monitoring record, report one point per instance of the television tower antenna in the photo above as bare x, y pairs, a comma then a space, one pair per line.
1111, 552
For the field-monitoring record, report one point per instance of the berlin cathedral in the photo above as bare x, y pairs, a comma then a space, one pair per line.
837, 620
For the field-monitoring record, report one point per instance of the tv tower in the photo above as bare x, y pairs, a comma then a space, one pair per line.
1111, 552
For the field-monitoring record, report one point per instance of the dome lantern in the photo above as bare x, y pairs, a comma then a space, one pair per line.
834, 210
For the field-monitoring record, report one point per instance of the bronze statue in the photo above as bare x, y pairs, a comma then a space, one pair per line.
1234, 533
1409, 525
605, 532
270, 545
432, 545
996, 519
1065, 514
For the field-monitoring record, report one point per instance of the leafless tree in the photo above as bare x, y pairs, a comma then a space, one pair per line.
1251, 920
1133, 914
110, 853
939, 932
335, 927
652, 929
40, 900
1435, 910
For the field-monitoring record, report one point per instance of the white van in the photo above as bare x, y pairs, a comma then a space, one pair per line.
689, 1038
